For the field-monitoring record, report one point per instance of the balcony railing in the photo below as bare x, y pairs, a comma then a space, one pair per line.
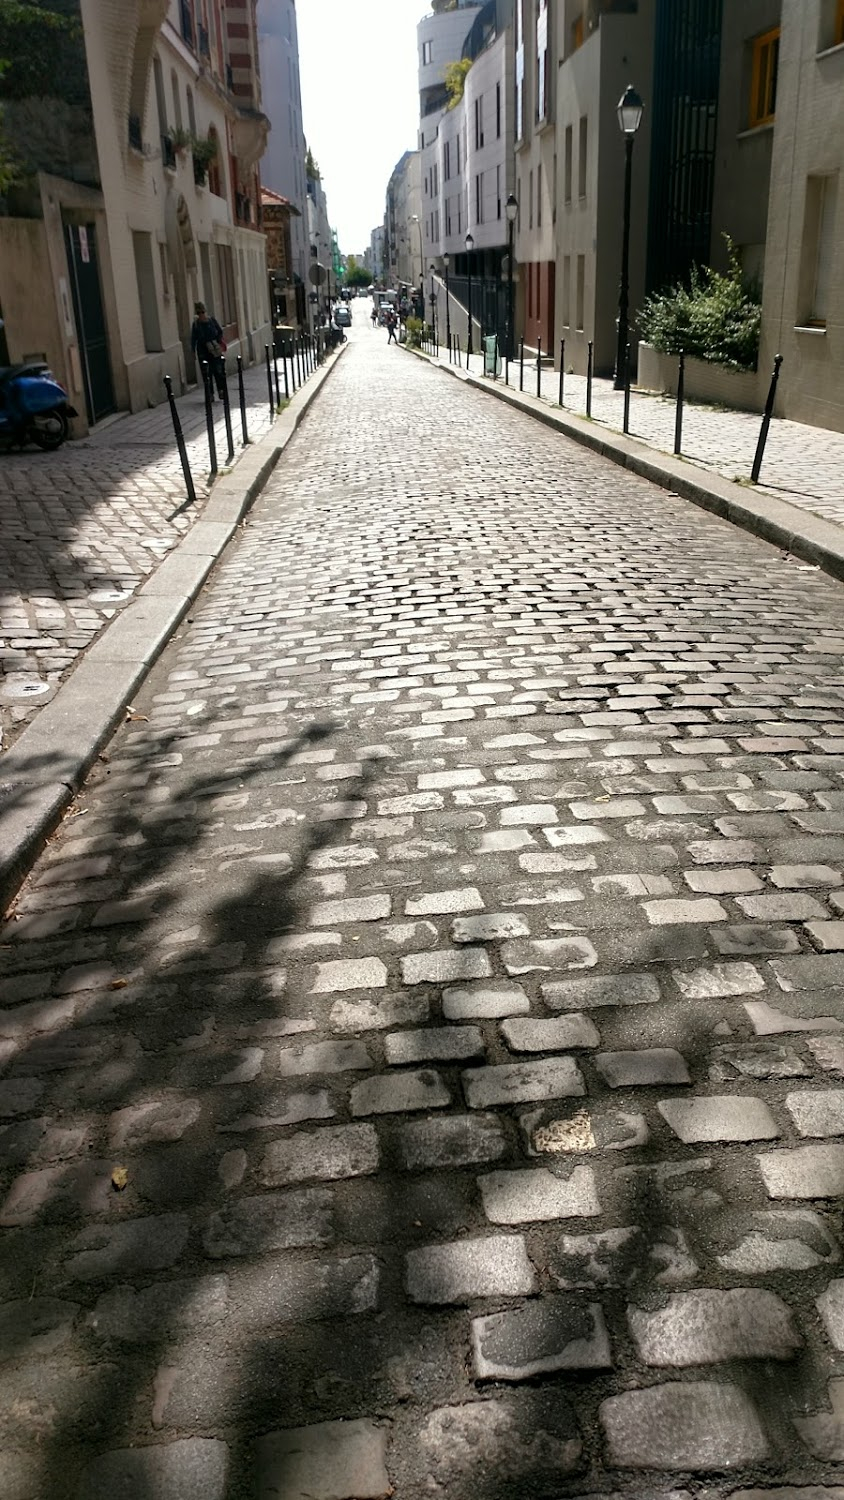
168, 152
204, 41
187, 22
134, 130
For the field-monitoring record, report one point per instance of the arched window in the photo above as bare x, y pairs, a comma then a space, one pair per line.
177, 101
191, 113
215, 167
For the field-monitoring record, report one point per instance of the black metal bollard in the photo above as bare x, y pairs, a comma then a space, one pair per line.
242, 395
269, 381
275, 378
292, 358
766, 421
626, 422
539, 365
521, 364
299, 375
589, 379
562, 369
180, 441
209, 417
286, 379
227, 417
678, 416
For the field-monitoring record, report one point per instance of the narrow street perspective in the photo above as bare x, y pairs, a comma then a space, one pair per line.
422, 1039
422, 750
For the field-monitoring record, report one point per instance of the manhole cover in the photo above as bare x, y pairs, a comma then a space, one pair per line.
15, 687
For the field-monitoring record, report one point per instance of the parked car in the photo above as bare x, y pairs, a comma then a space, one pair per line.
343, 316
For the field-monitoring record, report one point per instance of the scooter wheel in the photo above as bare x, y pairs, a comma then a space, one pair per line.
49, 431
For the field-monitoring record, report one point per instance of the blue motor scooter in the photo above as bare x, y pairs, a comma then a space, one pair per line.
33, 407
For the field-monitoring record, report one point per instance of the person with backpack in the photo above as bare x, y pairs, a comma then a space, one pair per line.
208, 344
391, 327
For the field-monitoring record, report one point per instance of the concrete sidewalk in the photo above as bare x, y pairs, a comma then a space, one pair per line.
82, 528
802, 465
50, 759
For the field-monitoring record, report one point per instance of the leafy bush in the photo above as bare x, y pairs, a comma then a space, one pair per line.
415, 328
454, 77
716, 317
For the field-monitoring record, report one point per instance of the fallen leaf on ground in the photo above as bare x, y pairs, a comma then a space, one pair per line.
119, 1178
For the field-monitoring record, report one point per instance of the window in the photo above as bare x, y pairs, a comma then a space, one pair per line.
447, 161
165, 271
539, 196
567, 165
817, 251
498, 191
581, 157
215, 167
145, 277
160, 103
763, 86
427, 53
566, 291
577, 33
530, 201
177, 101
479, 122
225, 276
479, 198
541, 59
498, 107
191, 113
457, 148
581, 290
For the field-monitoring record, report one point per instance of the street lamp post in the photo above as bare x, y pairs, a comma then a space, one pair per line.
630, 111
446, 261
432, 269
511, 208
470, 245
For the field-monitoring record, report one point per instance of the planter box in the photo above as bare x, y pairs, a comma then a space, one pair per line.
720, 384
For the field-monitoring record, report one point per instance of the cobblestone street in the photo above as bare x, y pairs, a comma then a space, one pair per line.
83, 527
422, 1043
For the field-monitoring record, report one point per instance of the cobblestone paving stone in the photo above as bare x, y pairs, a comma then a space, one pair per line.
479, 1139
802, 464
82, 528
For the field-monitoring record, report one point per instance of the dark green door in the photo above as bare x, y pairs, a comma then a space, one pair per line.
81, 244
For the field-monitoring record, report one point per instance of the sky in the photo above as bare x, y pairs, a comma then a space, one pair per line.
360, 102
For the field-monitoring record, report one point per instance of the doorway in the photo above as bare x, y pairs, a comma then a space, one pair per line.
83, 266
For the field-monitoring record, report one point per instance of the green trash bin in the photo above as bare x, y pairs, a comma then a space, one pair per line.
283, 340
492, 358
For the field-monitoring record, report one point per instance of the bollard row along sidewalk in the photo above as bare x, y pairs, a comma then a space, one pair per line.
802, 465
84, 527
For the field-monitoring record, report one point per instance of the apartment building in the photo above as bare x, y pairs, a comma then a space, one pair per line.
168, 211
794, 82
283, 165
404, 247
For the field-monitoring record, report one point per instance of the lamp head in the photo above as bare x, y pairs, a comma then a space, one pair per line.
446, 260
470, 243
511, 208
630, 110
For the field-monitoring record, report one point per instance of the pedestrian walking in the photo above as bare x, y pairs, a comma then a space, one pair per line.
391, 328
374, 316
207, 343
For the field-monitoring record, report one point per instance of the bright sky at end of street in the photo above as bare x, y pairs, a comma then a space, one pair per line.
360, 103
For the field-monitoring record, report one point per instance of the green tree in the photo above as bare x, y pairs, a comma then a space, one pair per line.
311, 168
43, 47
454, 77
